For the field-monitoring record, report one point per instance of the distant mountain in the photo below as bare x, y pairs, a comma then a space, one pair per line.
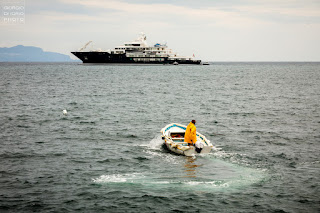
22, 53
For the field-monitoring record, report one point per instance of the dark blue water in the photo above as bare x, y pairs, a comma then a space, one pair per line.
106, 154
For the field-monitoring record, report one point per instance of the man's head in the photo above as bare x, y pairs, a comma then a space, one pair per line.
193, 121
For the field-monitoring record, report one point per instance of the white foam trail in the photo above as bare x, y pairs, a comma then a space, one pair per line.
116, 178
138, 178
109, 179
155, 143
153, 181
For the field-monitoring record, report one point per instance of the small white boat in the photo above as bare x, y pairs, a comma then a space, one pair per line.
173, 136
205, 63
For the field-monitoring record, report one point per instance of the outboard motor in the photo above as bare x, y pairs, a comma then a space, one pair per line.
198, 146
198, 149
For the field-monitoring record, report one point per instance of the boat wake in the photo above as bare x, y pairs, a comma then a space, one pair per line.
156, 182
208, 172
117, 178
156, 143
148, 180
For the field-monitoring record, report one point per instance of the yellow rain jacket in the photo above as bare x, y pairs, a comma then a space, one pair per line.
190, 135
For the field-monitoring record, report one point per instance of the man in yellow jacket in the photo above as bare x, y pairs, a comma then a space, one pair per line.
190, 135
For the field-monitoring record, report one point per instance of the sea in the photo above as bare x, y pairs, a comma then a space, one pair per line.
107, 155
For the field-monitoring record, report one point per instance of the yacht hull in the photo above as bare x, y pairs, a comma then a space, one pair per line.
105, 57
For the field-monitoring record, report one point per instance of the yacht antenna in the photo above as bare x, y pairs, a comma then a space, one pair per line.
85, 46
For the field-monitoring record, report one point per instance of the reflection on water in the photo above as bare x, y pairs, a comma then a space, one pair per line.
190, 167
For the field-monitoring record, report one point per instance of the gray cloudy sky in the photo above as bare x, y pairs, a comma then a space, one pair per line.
225, 30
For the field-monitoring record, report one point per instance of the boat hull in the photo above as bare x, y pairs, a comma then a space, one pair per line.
105, 57
191, 151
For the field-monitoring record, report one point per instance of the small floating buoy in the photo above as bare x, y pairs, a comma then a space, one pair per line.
64, 112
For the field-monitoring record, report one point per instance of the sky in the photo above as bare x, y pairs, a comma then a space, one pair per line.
212, 30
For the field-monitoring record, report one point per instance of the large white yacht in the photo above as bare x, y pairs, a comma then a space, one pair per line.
137, 51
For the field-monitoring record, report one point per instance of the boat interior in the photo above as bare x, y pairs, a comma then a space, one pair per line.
177, 137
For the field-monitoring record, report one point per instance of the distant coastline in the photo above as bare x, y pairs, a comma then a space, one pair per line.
22, 53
